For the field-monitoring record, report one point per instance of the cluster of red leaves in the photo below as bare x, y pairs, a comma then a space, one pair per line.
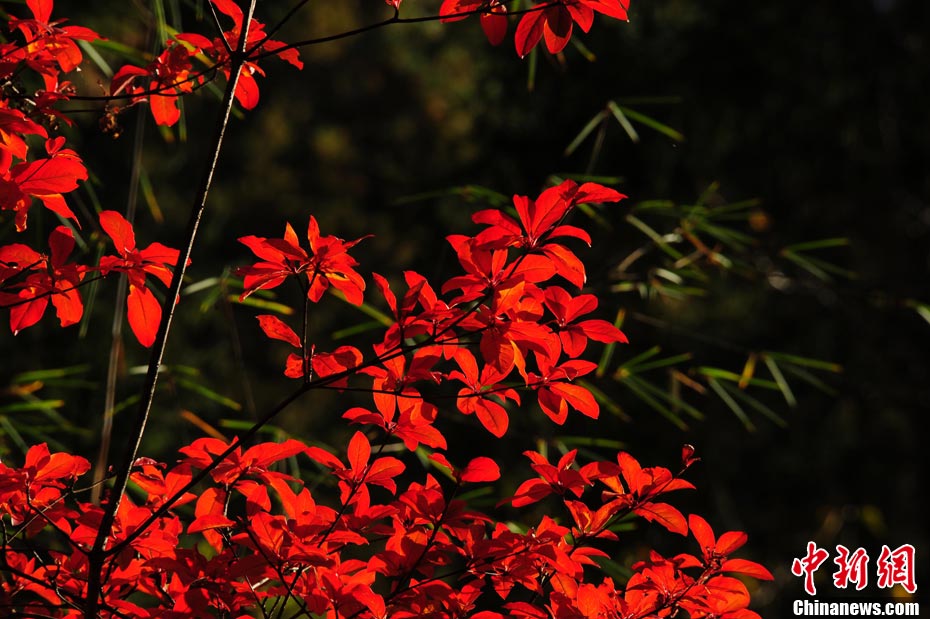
503, 319
223, 531
546, 20
173, 72
417, 551
46, 49
30, 280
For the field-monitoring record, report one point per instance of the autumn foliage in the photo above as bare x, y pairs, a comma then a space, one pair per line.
223, 531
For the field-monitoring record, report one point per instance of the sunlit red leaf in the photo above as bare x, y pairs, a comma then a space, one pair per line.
481, 469
41, 9
748, 568
119, 230
144, 313
276, 329
529, 32
664, 514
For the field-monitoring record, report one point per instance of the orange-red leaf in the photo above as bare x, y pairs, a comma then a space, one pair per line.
144, 313
481, 469
275, 328
664, 514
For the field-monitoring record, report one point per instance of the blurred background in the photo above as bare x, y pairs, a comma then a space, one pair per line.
771, 266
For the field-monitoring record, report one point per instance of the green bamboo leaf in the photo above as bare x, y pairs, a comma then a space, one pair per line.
48, 375
810, 379
470, 193
663, 206
652, 123
731, 404
367, 308
662, 241
673, 401
583, 177
531, 70
208, 393
783, 385
922, 309
631, 383
242, 425
593, 441
608, 352
661, 363
643, 356
148, 194
584, 51
623, 120
604, 400
808, 362
820, 244
270, 306
204, 284
91, 52
754, 404
362, 327
584, 133
671, 276
711, 190
728, 236
733, 377
14, 435
37, 405
617, 571
128, 52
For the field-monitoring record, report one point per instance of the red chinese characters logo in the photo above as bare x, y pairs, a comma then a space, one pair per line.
852, 568
807, 565
893, 567
896, 567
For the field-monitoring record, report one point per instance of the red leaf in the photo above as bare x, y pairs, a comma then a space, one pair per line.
530, 491
577, 397
481, 469
275, 328
144, 313
664, 514
492, 416
209, 521
602, 331
687, 455
749, 568
27, 314
266, 454
558, 29
612, 8
68, 307
359, 452
247, 89
494, 23
41, 9
449, 10
118, 229
702, 532
56, 203
592, 192
165, 109
230, 8
730, 541
529, 32
58, 174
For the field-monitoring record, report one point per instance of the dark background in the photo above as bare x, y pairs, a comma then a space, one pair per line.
818, 110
